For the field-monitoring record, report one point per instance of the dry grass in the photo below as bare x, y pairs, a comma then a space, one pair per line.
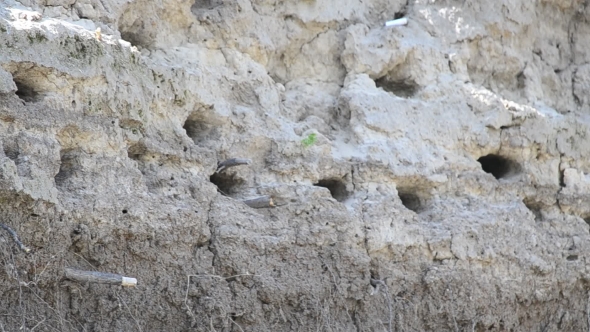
225, 316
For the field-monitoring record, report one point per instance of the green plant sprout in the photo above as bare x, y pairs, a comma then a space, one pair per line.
309, 140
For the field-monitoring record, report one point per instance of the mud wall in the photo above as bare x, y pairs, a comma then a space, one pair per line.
429, 177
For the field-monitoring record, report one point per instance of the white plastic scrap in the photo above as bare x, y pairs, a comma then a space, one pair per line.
398, 22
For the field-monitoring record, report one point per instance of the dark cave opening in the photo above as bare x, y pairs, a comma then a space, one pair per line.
411, 201
25, 91
227, 183
500, 167
336, 187
405, 88
197, 128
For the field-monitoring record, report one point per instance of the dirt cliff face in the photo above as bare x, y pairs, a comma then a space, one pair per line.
427, 177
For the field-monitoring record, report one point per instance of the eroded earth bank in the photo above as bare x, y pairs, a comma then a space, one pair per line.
427, 177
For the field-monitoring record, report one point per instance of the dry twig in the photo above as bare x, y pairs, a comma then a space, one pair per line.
15, 238
376, 283
130, 314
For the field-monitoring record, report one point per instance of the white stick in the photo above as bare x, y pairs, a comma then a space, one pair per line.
128, 282
398, 22
99, 277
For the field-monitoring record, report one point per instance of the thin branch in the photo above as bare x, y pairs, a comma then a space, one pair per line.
189, 276
376, 283
238, 325
41, 322
87, 262
453, 310
130, 314
15, 238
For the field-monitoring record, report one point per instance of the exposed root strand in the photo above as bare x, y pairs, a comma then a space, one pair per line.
15, 238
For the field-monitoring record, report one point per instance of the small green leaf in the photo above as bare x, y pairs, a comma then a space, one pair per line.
309, 140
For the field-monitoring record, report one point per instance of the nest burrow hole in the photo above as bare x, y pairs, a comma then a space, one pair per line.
197, 128
411, 200
139, 31
405, 88
337, 188
500, 167
136, 151
25, 90
11, 149
228, 184
69, 165
205, 5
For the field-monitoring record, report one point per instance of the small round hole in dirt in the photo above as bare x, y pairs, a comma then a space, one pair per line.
205, 5
136, 151
499, 166
25, 91
400, 14
11, 149
411, 201
336, 187
198, 128
139, 31
405, 88
69, 167
227, 183
124, 211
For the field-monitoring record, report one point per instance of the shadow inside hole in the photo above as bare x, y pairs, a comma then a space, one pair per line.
26, 92
136, 151
138, 30
587, 219
499, 166
535, 208
70, 165
561, 178
136, 37
405, 88
228, 184
411, 201
134, 156
399, 14
198, 129
205, 5
336, 187
11, 149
